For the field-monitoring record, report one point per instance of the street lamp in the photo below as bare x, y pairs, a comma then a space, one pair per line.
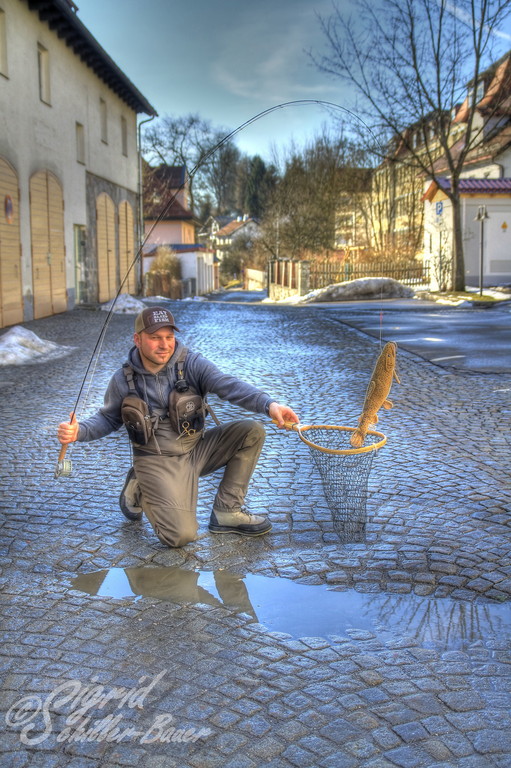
481, 216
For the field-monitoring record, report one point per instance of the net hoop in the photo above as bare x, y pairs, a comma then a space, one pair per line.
340, 451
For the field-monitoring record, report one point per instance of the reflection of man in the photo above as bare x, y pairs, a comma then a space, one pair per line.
160, 396
233, 591
176, 585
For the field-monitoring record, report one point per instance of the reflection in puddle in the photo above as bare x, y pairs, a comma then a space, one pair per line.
303, 610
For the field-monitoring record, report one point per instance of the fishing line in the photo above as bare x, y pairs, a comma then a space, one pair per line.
166, 207
381, 315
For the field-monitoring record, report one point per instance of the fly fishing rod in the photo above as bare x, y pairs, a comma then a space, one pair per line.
64, 465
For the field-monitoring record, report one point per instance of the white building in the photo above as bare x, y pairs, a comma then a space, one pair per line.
69, 169
242, 227
486, 226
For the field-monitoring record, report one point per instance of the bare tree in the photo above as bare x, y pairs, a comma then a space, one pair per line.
303, 216
196, 144
410, 63
221, 175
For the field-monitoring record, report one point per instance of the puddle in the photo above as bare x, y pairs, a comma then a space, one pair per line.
303, 610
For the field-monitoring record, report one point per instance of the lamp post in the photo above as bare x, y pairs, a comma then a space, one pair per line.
481, 216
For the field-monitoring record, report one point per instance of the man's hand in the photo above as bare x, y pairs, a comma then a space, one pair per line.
282, 414
67, 431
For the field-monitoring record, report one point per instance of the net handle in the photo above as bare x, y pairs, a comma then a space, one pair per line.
290, 425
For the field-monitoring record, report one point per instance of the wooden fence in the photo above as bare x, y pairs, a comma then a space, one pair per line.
322, 274
288, 278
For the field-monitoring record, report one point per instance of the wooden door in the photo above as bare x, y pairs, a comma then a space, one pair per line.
48, 248
106, 247
11, 300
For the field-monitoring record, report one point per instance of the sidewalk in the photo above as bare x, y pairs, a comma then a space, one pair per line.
395, 651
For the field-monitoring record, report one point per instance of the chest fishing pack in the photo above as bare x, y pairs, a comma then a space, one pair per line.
186, 408
135, 412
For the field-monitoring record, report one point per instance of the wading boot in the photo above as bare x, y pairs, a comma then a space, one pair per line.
238, 521
129, 499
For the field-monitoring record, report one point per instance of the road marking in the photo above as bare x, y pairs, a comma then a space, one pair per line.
451, 357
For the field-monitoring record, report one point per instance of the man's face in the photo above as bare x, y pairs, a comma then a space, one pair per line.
156, 348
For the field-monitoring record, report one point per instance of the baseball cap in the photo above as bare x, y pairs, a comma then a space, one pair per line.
152, 318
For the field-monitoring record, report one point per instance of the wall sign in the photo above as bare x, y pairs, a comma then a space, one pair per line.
439, 208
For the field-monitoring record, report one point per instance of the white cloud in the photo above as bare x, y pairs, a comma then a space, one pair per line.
263, 55
466, 18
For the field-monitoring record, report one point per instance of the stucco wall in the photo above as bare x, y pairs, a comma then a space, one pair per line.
35, 135
496, 237
169, 232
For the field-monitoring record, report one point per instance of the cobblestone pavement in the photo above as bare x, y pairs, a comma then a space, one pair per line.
238, 693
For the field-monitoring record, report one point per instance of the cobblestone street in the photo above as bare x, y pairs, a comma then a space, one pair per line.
367, 694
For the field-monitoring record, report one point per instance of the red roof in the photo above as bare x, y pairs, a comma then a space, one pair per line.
231, 227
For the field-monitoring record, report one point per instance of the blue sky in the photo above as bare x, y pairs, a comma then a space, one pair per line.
227, 60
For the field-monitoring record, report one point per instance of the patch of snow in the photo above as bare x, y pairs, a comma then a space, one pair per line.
294, 299
351, 290
503, 293
124, 304
363, 288
19, 346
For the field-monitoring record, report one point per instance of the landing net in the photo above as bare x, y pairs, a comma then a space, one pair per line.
344, 473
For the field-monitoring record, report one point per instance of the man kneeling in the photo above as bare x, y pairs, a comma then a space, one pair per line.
160, 396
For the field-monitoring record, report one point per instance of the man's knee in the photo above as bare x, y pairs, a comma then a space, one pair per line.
175, 533
255, 433
175, 540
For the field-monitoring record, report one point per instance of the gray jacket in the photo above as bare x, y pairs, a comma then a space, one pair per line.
200, 373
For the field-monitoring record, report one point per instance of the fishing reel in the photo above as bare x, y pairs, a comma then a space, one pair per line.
181, 386
64, 466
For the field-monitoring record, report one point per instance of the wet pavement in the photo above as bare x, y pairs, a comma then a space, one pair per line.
465, 338
291, 649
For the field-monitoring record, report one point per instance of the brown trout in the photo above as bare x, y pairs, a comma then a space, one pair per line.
377, 392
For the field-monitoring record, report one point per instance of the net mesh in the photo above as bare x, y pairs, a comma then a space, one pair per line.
344, 478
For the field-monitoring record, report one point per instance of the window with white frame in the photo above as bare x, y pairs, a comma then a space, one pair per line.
80, 143
124, 136
43, 61
3, 44
103, 117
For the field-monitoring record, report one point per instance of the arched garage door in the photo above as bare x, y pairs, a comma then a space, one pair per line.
127, 247
106, 247
48, 249
11, 302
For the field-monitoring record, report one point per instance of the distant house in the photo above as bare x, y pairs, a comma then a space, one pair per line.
68, 164
225, 236
485, 188
170, 223
210, 228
